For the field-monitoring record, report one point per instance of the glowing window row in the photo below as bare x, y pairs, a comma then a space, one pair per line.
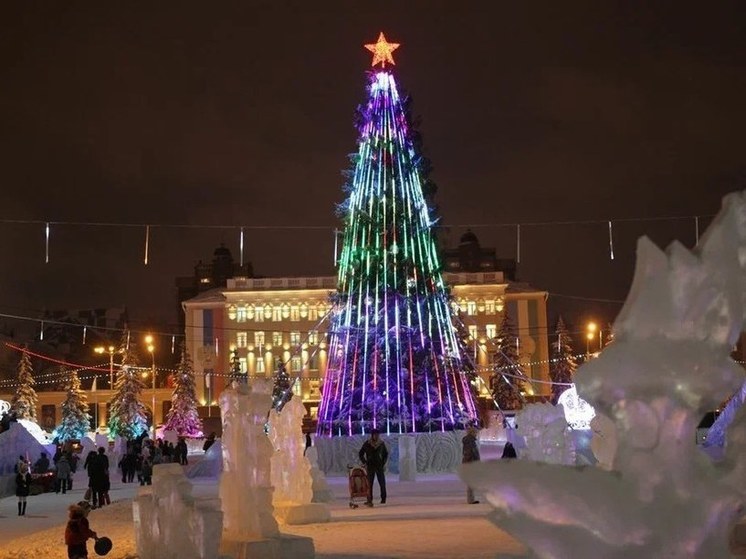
278, 338
296, 364
486, 306
278, 313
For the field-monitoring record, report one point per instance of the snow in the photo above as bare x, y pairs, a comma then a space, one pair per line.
428, 518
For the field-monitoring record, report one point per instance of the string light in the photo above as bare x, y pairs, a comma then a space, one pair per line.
611, 243
518, 244
147, 243
240, 248
46, 243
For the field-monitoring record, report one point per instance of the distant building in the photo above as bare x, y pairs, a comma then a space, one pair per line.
469, 256
283, 320
209, 276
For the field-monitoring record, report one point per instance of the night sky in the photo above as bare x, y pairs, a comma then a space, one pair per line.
241, 113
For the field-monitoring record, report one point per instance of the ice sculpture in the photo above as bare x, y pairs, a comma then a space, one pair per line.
249, 527
545, 434
578, 412
322, 493
211, 464
669, 364
170, 523
291, 471
18, 441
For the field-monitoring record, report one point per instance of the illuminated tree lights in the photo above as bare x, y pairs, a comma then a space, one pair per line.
394, 359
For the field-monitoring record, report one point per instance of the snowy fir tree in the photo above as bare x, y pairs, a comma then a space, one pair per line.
127, 415
281, 392
562, 365
183, 417
75, 419
394, 362
235, 368
505, 380
24, 401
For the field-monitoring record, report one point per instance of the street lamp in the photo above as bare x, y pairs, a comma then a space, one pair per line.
590, 333
110, 350
151, 349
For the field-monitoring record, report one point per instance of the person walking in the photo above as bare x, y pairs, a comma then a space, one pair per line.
374, 456
470, 453
181, 451
23, 487
98, 471
209, 441
64, 470
509, 451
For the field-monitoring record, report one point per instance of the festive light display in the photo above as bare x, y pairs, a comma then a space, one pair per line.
394, 360
382, 50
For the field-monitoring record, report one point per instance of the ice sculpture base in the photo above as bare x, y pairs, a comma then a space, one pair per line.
295, 514
284, 547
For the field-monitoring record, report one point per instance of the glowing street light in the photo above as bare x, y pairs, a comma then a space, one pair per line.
149, 340
590, 333
110, 350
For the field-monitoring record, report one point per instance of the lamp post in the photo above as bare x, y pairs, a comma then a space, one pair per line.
151, 350
110, 350
590, 333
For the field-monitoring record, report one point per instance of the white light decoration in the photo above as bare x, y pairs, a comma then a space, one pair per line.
578, 412
4, 407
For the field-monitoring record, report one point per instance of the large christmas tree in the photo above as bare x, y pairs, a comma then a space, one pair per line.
75, 419
507, 377
127, 414
562, 365
183, 417
394, 360
24, 401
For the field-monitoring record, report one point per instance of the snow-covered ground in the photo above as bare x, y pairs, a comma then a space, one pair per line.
427, 518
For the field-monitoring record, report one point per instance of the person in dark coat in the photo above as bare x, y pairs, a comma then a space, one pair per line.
77, 533
64, 471
209, 441
374, 456
509, 451
98, 473
42, 464
23, 487
181, 452
470, 453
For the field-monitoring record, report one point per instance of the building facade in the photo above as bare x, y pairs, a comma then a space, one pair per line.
273, 321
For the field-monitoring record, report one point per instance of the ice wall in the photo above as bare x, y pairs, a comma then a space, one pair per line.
545, 434
669, 363
18, 441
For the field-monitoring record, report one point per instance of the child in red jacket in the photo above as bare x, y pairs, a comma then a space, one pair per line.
77, 533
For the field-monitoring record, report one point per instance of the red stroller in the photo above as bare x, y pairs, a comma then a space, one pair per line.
358, 478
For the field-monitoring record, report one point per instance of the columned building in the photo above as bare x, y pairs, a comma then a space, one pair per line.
273, 321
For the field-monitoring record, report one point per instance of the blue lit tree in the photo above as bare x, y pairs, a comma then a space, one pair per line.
127, 415
75, 422
394, 359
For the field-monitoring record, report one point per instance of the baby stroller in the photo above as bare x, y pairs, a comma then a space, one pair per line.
358, 478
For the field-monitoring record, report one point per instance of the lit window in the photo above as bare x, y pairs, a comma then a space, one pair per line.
297, 389
259, 338
294, 338
313, 313
499, 304
242, 339
232, 312
491, 330
489, 306
267, 311
315, 388
296, 364
242, 364
322, 309
471, 308
260, 364
294, 313
277, 314
277, 338
250, 312
313, 361
241, 314
480, 305
204, 280
285, 311
313, 337
303, 310
473, 331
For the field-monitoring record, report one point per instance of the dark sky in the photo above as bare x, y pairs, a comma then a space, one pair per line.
230, 113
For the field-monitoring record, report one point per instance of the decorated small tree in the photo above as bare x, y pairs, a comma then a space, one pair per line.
183, 417
24, 401
281, 392
562, 365
128, 415
236, 373
506, 379
75, 419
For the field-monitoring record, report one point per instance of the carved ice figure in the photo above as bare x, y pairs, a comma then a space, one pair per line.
322, 493
291, 471
669, 364
249, 526
545, 434
245, 485
170, 523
